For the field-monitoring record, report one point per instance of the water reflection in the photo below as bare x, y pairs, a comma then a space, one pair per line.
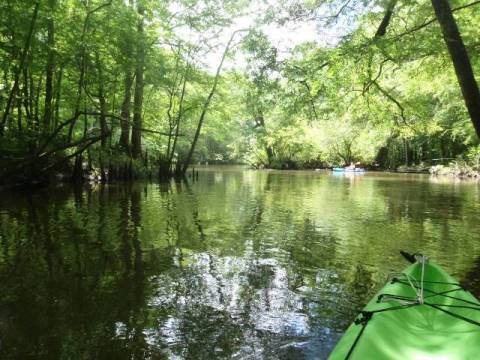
241, 264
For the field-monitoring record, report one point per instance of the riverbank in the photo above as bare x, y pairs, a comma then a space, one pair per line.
456, 169
134, 172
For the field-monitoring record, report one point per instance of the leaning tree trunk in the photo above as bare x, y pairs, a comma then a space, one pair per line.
206, 104
460, 59
138, 96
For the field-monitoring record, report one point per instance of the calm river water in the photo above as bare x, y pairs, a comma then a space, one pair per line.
241, 264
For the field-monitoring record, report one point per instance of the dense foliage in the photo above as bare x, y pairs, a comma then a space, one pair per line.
386, 100
119, 88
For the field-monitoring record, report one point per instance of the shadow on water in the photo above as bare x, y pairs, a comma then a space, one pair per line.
239, 264
471, 280
63, 290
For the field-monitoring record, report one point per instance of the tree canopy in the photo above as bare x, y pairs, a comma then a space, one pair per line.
126, 88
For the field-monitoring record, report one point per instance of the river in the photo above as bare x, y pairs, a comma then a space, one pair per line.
240, 264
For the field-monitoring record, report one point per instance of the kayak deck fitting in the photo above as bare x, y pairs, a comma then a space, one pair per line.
421, 313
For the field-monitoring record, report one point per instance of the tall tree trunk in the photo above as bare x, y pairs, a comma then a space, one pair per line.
19, 116
26, 102
177, 122
138, 97
103, 120
37, 101
31, 96
270, 154
101, 97
460, 59
47, 115
173, 93
58, 94
81, 85
405, 151
83, 55
18, 70
260, 123
125, 113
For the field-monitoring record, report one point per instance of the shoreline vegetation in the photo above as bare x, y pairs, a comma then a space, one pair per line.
459, 169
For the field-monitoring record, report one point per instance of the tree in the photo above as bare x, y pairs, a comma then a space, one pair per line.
460, 59
206, 104
20, 68
139, 84
50, 67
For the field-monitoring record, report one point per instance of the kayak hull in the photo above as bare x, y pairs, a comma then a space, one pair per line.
401, 330
348, 170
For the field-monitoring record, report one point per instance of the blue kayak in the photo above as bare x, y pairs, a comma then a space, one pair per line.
357, 170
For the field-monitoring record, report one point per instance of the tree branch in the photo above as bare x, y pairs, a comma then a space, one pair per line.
392, 99
99, 7
431, 21
382, 29
116, 117
79, 151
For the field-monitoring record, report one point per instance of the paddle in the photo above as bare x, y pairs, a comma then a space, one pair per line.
409, 257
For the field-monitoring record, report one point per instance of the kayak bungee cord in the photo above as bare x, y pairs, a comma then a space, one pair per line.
457, 306
418, 287
443, 293
365, 318
458, 316
404, 299
423, 260
411, 281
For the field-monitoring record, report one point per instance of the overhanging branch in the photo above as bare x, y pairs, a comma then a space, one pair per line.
118, 118
431, 21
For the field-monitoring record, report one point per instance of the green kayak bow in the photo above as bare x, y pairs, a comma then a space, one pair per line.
421, 313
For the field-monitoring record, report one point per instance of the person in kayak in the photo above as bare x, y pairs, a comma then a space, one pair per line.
354, 166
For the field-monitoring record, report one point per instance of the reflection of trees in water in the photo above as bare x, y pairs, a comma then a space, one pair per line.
255, 297
231, 291
85, 289
420, 201
357, 292
195, 210
238, 268
63, 289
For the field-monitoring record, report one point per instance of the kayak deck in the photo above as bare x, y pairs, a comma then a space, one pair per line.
445, 326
